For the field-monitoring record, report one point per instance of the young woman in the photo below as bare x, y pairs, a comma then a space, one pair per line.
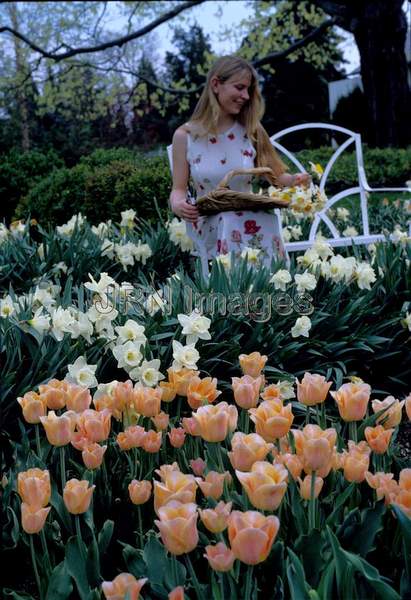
225, 133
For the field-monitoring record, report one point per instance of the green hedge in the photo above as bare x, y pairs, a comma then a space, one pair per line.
109, 181
19, 172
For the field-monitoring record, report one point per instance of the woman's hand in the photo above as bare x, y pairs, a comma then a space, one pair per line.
184, 210
302, 179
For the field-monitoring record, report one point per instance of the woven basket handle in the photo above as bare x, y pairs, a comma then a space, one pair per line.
254, 171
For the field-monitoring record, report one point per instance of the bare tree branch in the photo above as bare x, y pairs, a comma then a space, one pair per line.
310, 37
104, 46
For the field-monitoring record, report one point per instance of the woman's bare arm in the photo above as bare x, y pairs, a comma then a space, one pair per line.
181, 173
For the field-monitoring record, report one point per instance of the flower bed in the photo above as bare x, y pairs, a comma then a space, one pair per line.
246, 450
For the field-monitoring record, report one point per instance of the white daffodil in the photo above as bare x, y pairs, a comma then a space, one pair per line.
224, 260
147, 373
399, 237
305, 281
67, 230
81, 373
62, 320
17, 228
102, 229
407, 321
316, 169
128, 355
81, 325
155, 302
105, 389
280, 279
40, 251
365, 275
286, 234
125, 254
296, 232
100, 287
4, 233
195, 326
6, 307
310, 258
302, 327
142, 252
60, 266
341, 268
184, 356
107, 248
44, 297
350, 232
103, 321
131, 332
251, 254
343, 213
286, 389
322, 248
127, 218
39, 322
177, 230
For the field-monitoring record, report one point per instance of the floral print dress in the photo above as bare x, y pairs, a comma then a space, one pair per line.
210, 158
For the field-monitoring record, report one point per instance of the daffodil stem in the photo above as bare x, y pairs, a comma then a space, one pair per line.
248, 582
38, 446
193, 575
63, 467
36, 573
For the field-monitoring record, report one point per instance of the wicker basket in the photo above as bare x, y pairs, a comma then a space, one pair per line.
223, 199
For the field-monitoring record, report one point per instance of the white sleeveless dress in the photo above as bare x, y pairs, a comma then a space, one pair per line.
210, 158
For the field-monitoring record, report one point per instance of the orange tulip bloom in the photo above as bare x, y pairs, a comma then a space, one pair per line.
177, 593
216, 519
161, 421
378, 438
403, 501
202, 391
140, 491
247, 449
175, 486
246, 390
147, 400
315, 447
408, 406
356, 461
292, 462
177, 436
152, 441
59, 430
198, 466
180, 379
251, 535
265, 485
405, 480
164, 470
168, 391
33, 406
94, 425
352, 400
93, 455
252, 364
213, 484
271, 392
54, 394
220, 558
393, 415
33, 487
78, 398
77, 496
272, 419
33, 518
123, 585
384, 485
313, 389
131, 437
123, 395
305, 486
214, 421
178, 526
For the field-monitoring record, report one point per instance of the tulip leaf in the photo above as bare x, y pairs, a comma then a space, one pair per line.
76, 567
15, 596
296, 577
155, 557
405, 525
371, 524
57, 503
309, 547
60, 586
341, 498
134, 561
93, 565
105, 535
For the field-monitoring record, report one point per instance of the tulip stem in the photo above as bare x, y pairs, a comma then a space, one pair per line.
38, 446
36, 573
248, 582
140, 526
79, 536
63, 467
193, 575
311, 511
352, 429
45, 551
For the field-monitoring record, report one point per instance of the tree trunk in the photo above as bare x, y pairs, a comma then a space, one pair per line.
21, 74
380, 32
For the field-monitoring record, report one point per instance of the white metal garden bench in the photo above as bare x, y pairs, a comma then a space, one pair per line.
362, 189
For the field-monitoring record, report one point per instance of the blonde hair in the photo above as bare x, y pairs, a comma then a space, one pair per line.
204, 119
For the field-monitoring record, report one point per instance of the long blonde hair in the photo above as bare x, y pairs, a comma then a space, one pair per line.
207, 111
